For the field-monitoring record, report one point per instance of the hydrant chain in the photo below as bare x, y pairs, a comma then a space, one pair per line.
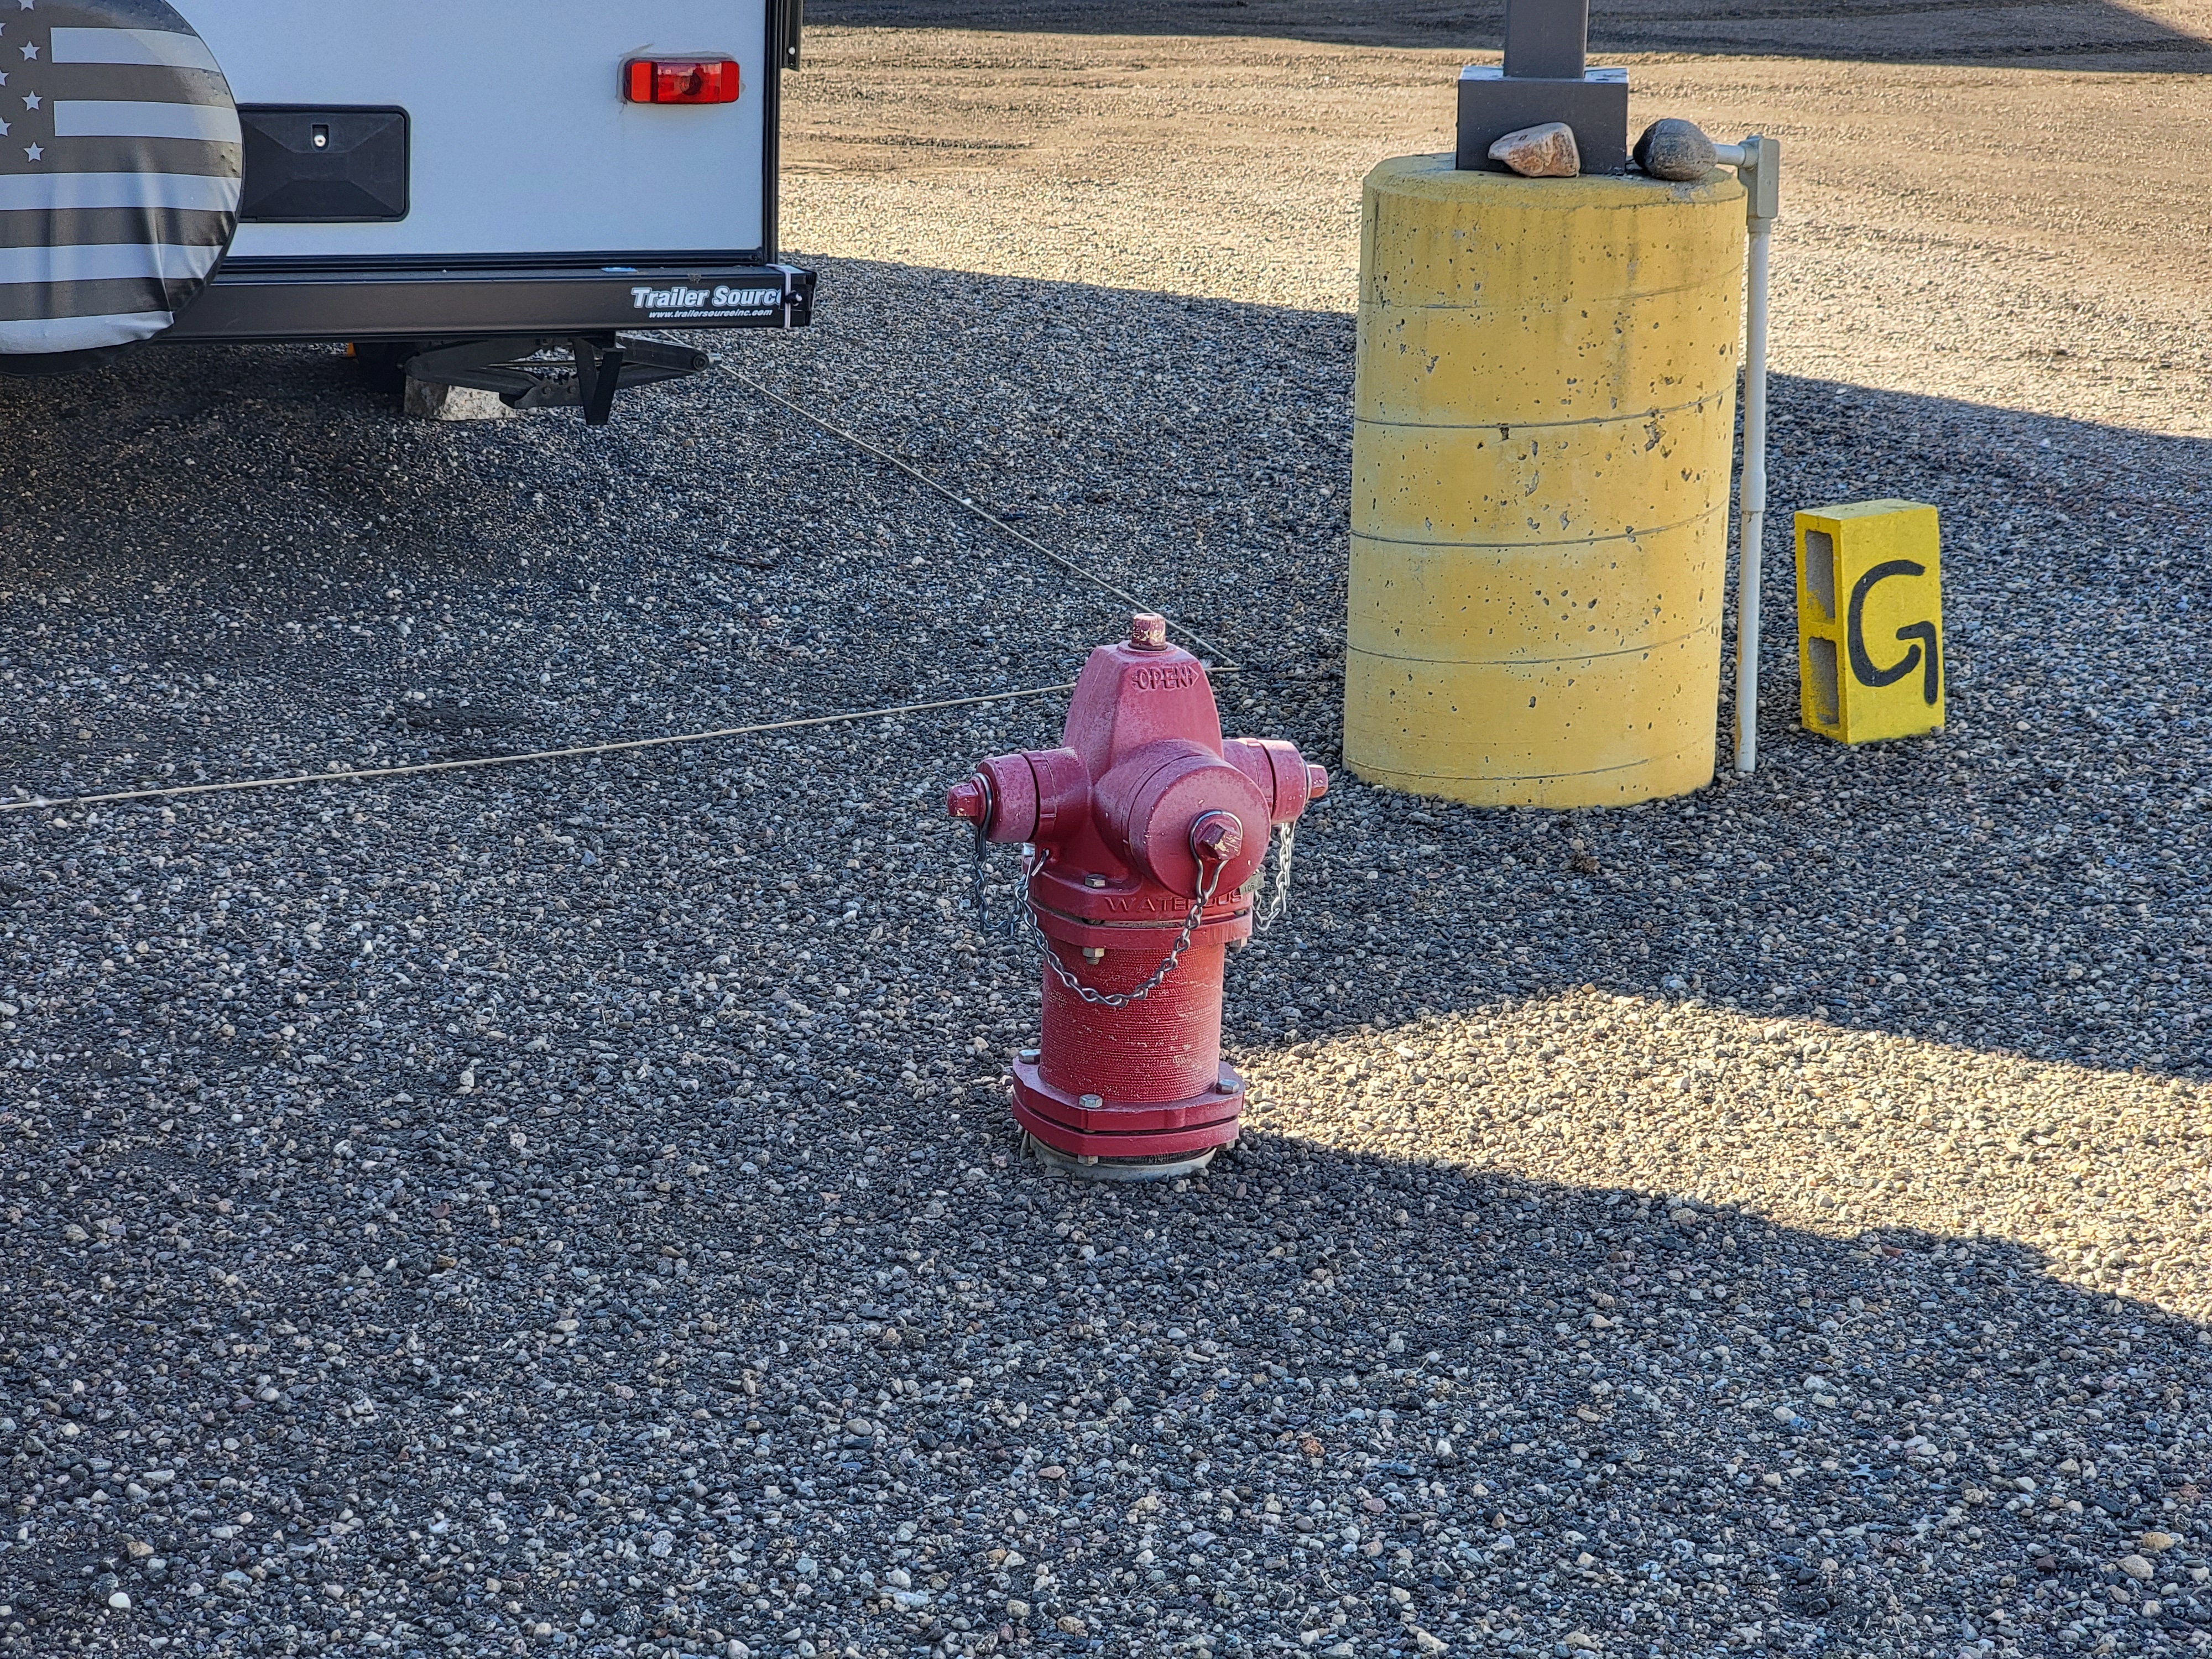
979, 902
1034, 866
1279, 900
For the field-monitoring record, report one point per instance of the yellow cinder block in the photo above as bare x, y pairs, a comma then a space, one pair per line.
1870, 621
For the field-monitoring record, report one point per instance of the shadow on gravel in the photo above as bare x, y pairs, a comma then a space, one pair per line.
2035, 879
257, 569
329, 1390
2085, 34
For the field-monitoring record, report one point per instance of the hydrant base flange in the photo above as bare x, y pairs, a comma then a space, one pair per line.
1090, 1125
1116, 1169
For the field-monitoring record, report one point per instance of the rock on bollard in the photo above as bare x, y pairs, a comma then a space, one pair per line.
1546, 151
1675, 150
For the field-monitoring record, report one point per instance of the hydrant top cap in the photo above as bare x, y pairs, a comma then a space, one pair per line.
1148, 631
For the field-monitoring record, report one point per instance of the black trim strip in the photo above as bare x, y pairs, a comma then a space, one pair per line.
614, 262
323, 304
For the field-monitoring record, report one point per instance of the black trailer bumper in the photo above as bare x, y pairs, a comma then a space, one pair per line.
252, 300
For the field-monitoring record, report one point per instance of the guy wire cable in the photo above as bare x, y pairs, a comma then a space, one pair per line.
370, 773
1222, 665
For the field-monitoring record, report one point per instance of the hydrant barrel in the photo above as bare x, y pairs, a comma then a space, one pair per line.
1146, 834
1164, 1052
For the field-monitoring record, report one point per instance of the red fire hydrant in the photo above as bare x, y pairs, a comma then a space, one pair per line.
1147, 836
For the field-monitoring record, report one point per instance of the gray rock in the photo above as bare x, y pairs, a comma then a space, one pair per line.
429, 400
1676, 150
1545, 151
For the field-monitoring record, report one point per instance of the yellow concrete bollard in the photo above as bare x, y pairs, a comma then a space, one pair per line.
1870, 621
1544, 422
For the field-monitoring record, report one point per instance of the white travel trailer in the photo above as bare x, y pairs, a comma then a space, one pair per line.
480, 192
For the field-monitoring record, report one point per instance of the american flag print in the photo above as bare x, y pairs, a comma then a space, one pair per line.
119, 170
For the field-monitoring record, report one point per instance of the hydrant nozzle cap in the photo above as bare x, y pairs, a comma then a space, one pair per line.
970, 800
1148, 631
1317, 782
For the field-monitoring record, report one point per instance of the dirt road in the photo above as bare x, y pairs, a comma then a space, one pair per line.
2027, 230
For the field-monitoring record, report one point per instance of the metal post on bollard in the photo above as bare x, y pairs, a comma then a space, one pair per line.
1546, 77
1546, 39
1758, 163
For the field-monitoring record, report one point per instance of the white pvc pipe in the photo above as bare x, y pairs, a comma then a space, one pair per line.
1751, 535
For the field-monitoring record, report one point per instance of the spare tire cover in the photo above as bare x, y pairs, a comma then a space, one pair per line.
120, 166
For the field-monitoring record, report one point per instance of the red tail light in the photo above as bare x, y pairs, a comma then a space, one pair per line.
680, 80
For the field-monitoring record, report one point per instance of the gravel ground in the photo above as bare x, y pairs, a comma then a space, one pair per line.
573, 1206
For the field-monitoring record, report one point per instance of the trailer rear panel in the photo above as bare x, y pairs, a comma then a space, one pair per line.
521, 144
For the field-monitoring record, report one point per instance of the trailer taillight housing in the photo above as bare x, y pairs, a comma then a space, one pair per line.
680, 80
